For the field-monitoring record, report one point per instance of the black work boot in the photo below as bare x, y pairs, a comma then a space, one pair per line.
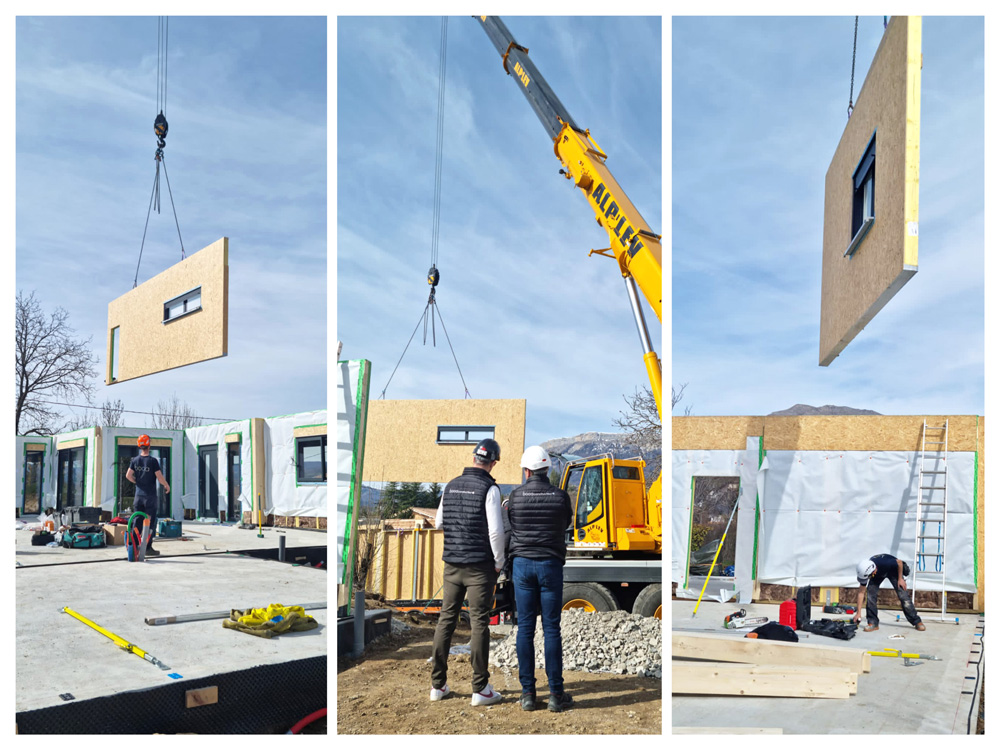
560, 702
527, 701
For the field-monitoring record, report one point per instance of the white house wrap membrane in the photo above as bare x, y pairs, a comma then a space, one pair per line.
820, 512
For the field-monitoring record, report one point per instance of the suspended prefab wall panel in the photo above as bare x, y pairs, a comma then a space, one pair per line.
828, 491
352, 421
433, 440
870, 220
176, 318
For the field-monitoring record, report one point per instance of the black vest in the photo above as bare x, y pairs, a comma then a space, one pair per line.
539, 514
466, 531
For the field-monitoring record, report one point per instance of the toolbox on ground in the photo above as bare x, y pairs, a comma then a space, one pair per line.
83, 537
168, 527
81, 514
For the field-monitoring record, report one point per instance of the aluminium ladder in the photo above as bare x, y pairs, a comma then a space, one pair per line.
930, 562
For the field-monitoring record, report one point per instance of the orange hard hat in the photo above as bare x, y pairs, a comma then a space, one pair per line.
143, 441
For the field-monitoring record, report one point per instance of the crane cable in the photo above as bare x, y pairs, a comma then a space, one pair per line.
433, 275
160, 128
854, 54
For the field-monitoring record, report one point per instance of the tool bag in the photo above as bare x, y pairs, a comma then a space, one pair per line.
803, 606
41, 538
773, 631
84, 537
840, 629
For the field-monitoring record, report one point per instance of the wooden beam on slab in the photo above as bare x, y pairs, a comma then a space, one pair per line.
756, 651
716, 678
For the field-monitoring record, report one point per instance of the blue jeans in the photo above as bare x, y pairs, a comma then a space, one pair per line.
538, 588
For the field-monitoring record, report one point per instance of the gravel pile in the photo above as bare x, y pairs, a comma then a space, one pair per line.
616, 642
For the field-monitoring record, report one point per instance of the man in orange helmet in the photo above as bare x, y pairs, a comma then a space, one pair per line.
144, 472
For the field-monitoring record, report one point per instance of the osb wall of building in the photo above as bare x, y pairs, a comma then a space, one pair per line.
258, 473
401, 439
966, 433
146, 344
856, 287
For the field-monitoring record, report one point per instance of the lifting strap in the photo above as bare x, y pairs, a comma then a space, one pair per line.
160, 128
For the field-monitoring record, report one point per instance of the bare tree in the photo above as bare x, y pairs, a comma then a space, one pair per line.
173, 414
49, 362
676, 394
111, 413
643, 429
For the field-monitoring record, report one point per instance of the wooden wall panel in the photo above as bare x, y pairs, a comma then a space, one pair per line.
401, 443
146, 344
713, 433
855, 288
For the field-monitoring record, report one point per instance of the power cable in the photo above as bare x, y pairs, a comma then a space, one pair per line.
133, 411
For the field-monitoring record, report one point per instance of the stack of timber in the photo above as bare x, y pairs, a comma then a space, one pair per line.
708, 664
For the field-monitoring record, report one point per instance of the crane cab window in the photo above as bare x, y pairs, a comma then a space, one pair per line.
591, 497
625, 472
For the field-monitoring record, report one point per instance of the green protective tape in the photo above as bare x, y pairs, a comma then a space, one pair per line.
756, 515
357, 462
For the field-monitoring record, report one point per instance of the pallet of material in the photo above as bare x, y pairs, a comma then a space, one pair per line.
764, 680
755, 651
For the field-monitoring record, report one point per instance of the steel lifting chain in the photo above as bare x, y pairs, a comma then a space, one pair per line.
854, 53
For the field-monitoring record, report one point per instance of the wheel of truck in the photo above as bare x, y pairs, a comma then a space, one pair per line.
590, 597
649, 603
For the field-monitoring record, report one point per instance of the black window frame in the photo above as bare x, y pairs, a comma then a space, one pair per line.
863, 200
185, 297
465, 429
300, 443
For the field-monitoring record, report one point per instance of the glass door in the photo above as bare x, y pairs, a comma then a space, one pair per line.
32, 502
234, 484
208, 481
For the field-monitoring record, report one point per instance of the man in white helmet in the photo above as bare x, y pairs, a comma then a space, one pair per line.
871, 572
539, 514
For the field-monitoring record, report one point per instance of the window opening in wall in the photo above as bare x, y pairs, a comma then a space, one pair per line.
126, 490
863, 206
33, 462
310, 464
460, 434
115, 347
713, 501
71, 477
182, 305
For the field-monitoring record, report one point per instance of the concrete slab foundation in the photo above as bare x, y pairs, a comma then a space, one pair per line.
931, 697
58, 655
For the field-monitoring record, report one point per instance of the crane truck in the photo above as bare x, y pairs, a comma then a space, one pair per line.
616, 542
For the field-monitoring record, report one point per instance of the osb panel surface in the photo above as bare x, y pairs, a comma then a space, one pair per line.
316, 429
392, 576
35, 446
234, 438
855, 287
815, 433
78, 443
713, 433
401, 441
146, 345
257, 456
153, 442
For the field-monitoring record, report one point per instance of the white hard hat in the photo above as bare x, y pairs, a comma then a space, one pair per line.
535, 457
865, 569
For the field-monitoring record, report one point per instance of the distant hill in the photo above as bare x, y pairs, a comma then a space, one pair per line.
595, 443
803, 410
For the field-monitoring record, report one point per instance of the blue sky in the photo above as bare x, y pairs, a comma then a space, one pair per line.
246, 158
528, 313
759, 105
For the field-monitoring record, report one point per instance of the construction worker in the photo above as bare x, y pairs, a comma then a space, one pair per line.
539, 514
144, 472
470, 515
871, 572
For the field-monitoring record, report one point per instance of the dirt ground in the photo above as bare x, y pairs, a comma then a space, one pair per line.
387, 692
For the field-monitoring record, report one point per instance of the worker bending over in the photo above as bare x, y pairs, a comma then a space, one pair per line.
539, 514
470, 515
872, 572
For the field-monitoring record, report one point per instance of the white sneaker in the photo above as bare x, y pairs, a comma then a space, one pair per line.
437, 695
487, 697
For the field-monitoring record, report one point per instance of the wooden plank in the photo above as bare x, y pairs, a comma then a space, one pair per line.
755, 651
205, 696
712, 678
727, 730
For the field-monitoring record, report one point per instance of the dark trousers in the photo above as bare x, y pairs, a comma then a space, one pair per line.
148, 506
871, 610
476, 581
538, 586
